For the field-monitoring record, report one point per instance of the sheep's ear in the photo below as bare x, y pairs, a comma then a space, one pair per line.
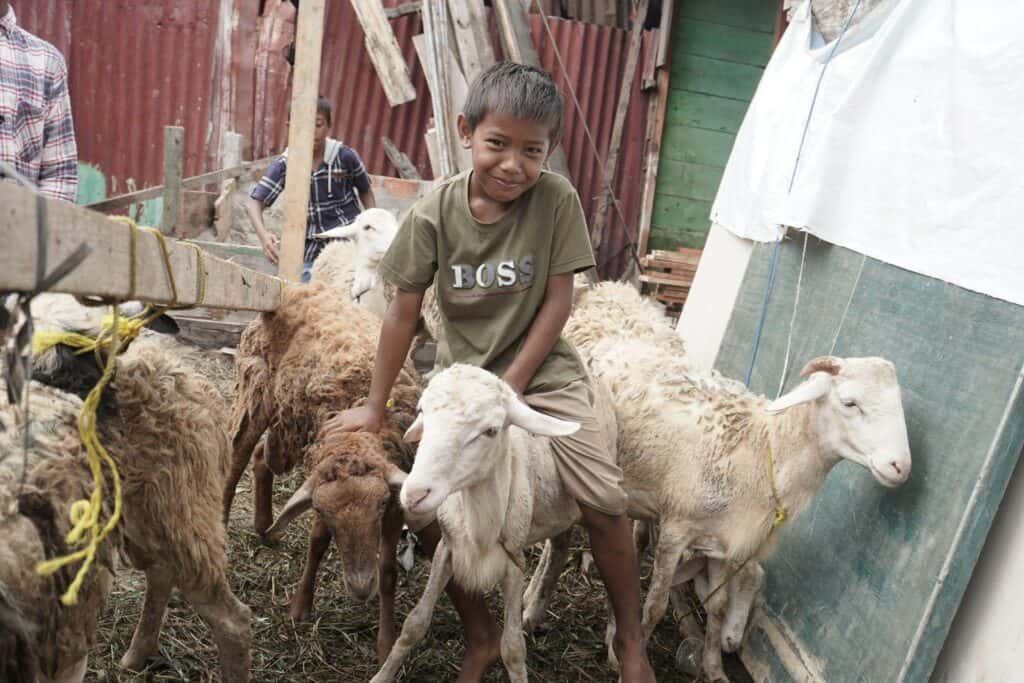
301, 501
539, 424
829, 364
811, 390
345, 231
415, 431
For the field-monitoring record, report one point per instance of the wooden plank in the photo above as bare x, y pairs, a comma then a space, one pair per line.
432, 50
246, 255
305, 88
386, 55
756, 15
106, 271
697, 146
471, 36
670, 237
402, 10
174, 140
693, 181
224, 206
399, 159
665, 33
209, 334
728, 43
517, 44
714, 76
686, 214
656, 114
622, 107
687, 108
193, 183
433, 151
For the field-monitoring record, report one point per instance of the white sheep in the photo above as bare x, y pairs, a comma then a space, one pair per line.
617, 309
164, 427
695, 451
484, 465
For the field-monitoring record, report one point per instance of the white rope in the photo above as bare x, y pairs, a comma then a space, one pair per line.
853, 290
792, 319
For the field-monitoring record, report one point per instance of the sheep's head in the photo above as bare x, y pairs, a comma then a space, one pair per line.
465, 413
858, 413
373, 231
64, 367
352, 488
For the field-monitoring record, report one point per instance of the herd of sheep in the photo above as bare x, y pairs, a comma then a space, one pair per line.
709, 468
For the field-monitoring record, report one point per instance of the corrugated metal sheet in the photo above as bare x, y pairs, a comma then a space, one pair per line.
137, 66
48, 19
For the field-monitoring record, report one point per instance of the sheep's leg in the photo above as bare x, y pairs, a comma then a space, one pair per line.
544, 580
609, 636
319, 541
388, 579
229, 621
246, 436
262, 491
146, 641
513, 642
715, 606
418, 621
641, 536
666, 558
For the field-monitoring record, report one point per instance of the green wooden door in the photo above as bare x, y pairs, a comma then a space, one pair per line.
719, 51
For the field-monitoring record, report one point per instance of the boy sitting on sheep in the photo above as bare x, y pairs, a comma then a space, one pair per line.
503, 242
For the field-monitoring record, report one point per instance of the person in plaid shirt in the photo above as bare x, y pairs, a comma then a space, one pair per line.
338, 185
37, 135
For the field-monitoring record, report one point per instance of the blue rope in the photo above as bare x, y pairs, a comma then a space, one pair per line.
792, 178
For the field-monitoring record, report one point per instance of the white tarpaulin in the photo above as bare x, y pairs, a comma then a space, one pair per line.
914, 153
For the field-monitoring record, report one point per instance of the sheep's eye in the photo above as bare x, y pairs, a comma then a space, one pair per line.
367, 227
490, 433
849, 403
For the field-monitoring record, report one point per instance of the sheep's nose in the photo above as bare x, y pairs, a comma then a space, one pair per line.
363, 589
900, 468
730, 644
415, 495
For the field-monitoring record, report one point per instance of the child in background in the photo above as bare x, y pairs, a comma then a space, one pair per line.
338, 185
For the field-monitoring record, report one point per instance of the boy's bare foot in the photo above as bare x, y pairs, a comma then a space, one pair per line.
633, 664
482, 653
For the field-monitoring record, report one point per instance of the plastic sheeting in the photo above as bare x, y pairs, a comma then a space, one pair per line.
912, 151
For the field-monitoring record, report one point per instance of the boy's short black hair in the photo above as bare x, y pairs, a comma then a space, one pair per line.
323, 107
518, 90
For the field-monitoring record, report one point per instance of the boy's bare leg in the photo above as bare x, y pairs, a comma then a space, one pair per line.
611, 542
483, 635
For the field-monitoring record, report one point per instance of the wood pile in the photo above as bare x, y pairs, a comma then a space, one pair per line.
668, 276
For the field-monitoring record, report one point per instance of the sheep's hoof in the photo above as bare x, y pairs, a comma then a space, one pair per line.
301, 610
269, 540
134, 661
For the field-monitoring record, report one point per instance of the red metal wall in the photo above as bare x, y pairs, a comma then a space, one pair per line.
138, 65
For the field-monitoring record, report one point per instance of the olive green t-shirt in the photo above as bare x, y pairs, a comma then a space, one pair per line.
491, 277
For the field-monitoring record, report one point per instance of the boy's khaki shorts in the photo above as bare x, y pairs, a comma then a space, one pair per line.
585, 460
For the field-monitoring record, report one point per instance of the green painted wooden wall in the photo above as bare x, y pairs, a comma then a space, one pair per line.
720, 48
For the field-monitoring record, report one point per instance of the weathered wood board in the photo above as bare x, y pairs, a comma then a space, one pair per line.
864, 585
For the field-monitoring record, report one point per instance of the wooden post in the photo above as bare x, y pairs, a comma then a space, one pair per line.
432, 50
224, 206
384, 51
174, 139
470, 27
636, 41
516, 43
305, 87
655, 130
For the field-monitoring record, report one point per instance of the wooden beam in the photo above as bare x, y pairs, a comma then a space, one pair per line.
399, 159
174, 140
224, 207
402, 10
384, 51
106, 271
431, 48
655, 130
305, 88
471, 36
516, 43
636, 41
194, 183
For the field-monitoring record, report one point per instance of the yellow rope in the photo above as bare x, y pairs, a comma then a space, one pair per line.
780, 512
85, 514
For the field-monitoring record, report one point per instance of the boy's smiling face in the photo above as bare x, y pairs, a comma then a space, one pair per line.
508, 155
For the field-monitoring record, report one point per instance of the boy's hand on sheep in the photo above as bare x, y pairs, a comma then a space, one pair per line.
365, 418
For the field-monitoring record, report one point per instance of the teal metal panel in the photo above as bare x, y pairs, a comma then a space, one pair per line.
864, 585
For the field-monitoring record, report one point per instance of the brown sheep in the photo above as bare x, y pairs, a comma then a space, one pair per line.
164, 427
297, 367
